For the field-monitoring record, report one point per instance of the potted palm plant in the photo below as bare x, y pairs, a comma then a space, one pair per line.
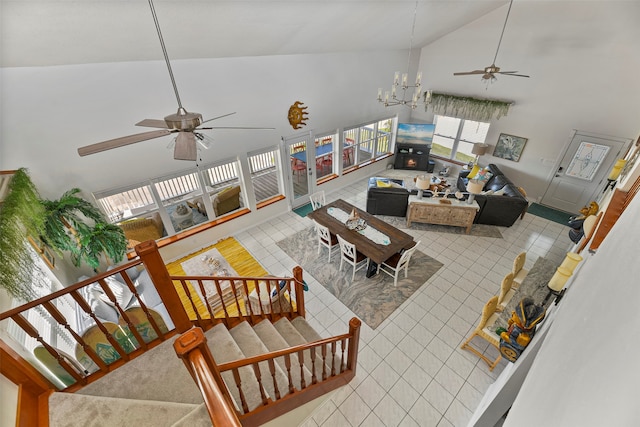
74, 225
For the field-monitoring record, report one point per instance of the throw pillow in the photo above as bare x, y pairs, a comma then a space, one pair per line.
101, 309
120, 291
474, 172
484, 175
500, 192
383, 184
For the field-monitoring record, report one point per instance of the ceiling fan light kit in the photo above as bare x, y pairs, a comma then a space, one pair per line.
489, 73
183, 122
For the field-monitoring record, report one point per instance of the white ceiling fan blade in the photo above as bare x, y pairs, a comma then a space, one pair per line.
511, 73
219, 117
185, 148
153, 123
121, 142
468, 73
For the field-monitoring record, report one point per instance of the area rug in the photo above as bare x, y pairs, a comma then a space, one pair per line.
371, 299
551, 214
234, 253
478, 230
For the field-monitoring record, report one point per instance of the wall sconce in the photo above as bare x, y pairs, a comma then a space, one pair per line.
422, 183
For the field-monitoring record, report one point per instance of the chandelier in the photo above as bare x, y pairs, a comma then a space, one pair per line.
391, 99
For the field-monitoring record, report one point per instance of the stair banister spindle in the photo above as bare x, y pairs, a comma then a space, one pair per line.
145, 309
272, 370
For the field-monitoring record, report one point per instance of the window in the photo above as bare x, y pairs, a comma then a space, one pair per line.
264, 170
224, 177
454, 138
367, 142
324, 155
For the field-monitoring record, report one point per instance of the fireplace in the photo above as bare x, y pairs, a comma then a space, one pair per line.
412, 156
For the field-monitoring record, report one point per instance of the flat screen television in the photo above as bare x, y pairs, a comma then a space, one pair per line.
415, 133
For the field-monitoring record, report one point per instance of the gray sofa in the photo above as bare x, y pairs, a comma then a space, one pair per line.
496, 209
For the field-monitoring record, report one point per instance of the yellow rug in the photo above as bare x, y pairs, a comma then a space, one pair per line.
235, 254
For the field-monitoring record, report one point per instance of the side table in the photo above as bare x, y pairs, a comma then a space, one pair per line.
431, 211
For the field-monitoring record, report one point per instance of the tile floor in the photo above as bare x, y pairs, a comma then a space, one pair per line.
411, 370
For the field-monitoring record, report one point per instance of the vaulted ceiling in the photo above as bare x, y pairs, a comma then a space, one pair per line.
59, 32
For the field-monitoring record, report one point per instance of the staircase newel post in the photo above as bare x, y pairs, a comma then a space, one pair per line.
297, 274
354, 331
153, 262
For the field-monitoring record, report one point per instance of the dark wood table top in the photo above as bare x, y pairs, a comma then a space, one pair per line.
376, 252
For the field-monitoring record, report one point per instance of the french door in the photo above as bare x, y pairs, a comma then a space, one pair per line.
300, 156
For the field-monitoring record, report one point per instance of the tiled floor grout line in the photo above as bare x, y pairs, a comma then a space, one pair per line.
472, 271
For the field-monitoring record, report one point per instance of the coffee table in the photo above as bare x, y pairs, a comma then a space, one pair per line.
431, 210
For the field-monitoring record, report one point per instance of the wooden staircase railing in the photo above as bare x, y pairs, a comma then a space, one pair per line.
35, 387
191, 347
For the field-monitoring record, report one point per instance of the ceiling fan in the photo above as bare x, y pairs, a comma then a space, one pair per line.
488, 73
186, 125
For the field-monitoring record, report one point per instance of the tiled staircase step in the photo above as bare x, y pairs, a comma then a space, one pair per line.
293, 337
224, 349
199, 417
310, 334
155, 375
73, 409
274, 341
251, 345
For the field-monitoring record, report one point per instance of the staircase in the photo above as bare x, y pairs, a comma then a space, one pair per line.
156, 388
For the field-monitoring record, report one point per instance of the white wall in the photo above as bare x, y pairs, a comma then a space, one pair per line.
586, 373
583, 59
49, 112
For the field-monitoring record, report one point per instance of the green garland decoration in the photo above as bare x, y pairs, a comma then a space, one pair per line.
466, 107
21, 215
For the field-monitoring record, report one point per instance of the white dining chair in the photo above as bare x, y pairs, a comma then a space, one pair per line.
317, 200
352, 256
325, 238
398, 262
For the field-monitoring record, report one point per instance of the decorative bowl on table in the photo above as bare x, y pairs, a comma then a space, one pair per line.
357, 224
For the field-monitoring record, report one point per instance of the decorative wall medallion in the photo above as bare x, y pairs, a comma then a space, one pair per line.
297, 115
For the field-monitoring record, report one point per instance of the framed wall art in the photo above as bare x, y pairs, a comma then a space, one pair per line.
509, 147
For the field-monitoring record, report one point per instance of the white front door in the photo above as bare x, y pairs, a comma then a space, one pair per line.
580, 176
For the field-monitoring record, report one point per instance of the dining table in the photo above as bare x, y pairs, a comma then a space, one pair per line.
321, 151
378, 244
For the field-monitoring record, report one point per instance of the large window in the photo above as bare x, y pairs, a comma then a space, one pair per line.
366, 142
265, 171
454, 138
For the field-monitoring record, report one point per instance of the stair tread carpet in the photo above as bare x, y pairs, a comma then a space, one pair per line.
199, 417
293, 337
310, 334
274, 341
251, 345
73, 409
224, 349
155, 375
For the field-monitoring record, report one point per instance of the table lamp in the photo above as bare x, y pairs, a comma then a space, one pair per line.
474, 187
557, 282
422, 183
479, 150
